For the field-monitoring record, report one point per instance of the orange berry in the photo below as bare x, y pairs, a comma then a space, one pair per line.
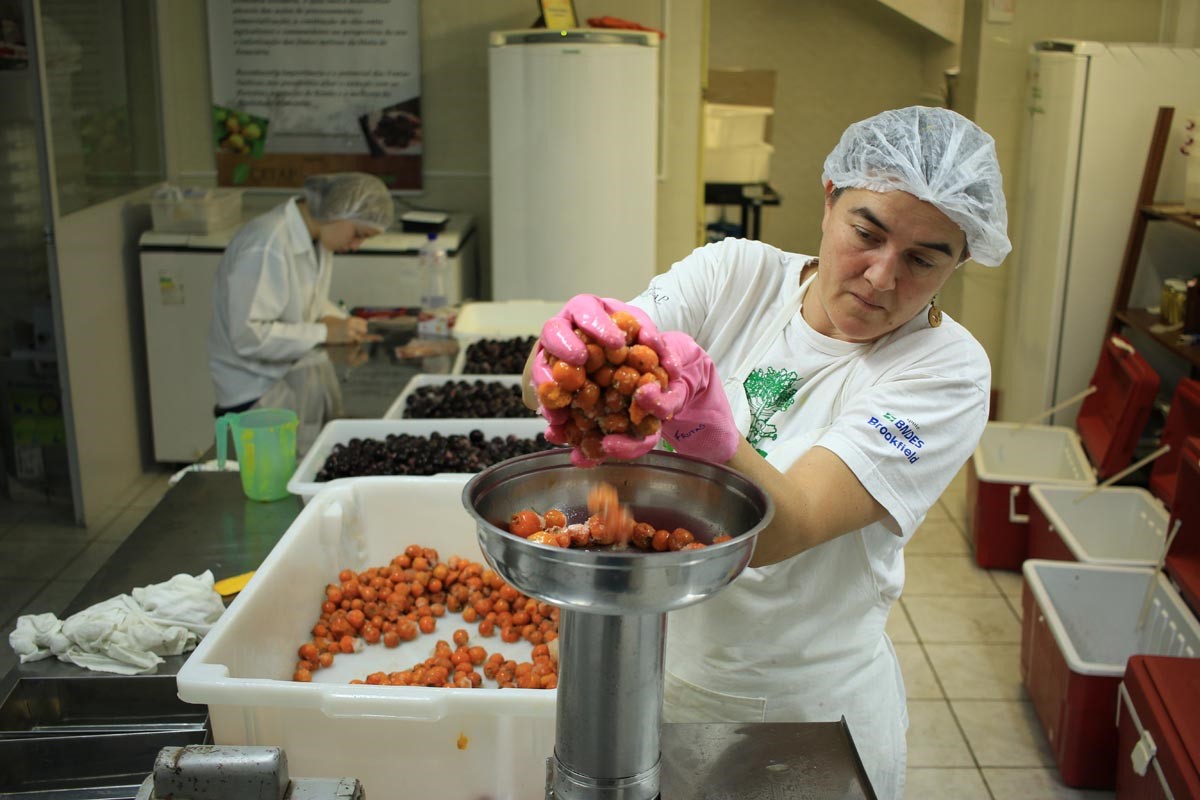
524, 522
568, 376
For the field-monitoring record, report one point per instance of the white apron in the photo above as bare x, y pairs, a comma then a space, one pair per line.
798, 641
311, 389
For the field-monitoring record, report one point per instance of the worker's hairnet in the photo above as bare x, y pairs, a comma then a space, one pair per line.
349, 195
937, 156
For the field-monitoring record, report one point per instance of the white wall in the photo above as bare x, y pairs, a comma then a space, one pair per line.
100, 296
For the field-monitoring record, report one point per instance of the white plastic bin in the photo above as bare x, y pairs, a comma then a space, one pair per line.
1079, 627
750, 163
1116, 525
501, 320
398, 740
218, 210
728, 125
396, 410
340, 431
466, 340
504, 319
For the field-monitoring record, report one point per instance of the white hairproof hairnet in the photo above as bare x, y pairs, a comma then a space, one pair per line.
937, 156
354, 196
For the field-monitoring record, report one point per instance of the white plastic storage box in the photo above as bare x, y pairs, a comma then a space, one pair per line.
340, 431
516, 357
503, 319
728, 125
396, 410
1079, 627
399, 741
1115, 525
749, 163
217, 210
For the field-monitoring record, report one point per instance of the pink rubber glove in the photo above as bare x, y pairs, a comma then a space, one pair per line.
695, 413
592, 315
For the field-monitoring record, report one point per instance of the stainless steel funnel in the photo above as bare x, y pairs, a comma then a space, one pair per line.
613, 604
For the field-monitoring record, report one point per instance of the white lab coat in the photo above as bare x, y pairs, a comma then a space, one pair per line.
272, 287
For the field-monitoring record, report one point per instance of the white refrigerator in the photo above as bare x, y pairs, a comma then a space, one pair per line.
1090, 112
574, 132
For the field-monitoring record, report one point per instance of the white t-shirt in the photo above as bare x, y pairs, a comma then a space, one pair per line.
803, 640
271, 288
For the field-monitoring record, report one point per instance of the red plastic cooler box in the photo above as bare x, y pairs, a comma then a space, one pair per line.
1010, 457
1079, 628
1183, 421
1158, 729
1115, 525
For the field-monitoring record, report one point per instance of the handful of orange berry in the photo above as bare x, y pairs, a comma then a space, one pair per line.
599, 393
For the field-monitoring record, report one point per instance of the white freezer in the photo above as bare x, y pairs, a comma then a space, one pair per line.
574, 135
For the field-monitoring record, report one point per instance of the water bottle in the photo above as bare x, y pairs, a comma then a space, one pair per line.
433, 321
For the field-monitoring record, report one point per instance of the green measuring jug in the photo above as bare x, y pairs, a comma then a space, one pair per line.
265, 440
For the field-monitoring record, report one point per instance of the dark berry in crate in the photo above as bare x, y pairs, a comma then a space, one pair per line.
498, 356
406, 454
466, 400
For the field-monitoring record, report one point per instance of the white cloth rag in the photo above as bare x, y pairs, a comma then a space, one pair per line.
127, 634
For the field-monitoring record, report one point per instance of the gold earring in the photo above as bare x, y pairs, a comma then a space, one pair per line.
935, 313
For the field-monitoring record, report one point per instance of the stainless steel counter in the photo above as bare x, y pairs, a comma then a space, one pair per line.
204, 522
65, 728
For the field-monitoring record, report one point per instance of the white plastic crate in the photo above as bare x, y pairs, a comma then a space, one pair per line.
1092, 610
396, 410
504, 319
1116, 525
465, 341
340, 431
750, 163
397, 740
728, 125
218, 210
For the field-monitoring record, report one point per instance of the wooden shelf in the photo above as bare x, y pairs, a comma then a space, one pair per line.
1173, 213
1148, 323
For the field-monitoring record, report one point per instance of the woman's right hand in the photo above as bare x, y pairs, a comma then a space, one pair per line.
591, 315
345, 330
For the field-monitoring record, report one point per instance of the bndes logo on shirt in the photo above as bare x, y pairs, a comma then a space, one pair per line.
900, 434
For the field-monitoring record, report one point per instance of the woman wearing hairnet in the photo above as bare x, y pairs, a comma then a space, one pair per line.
271, 302
837, 384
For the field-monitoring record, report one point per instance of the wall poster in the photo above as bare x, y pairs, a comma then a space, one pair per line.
308, 86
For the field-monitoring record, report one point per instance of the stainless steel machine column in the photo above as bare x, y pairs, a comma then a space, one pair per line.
610, 693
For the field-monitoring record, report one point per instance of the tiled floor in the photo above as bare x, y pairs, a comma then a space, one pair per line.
45, 559
973, 732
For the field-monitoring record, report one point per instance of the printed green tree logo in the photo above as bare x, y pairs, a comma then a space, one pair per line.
769, 391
